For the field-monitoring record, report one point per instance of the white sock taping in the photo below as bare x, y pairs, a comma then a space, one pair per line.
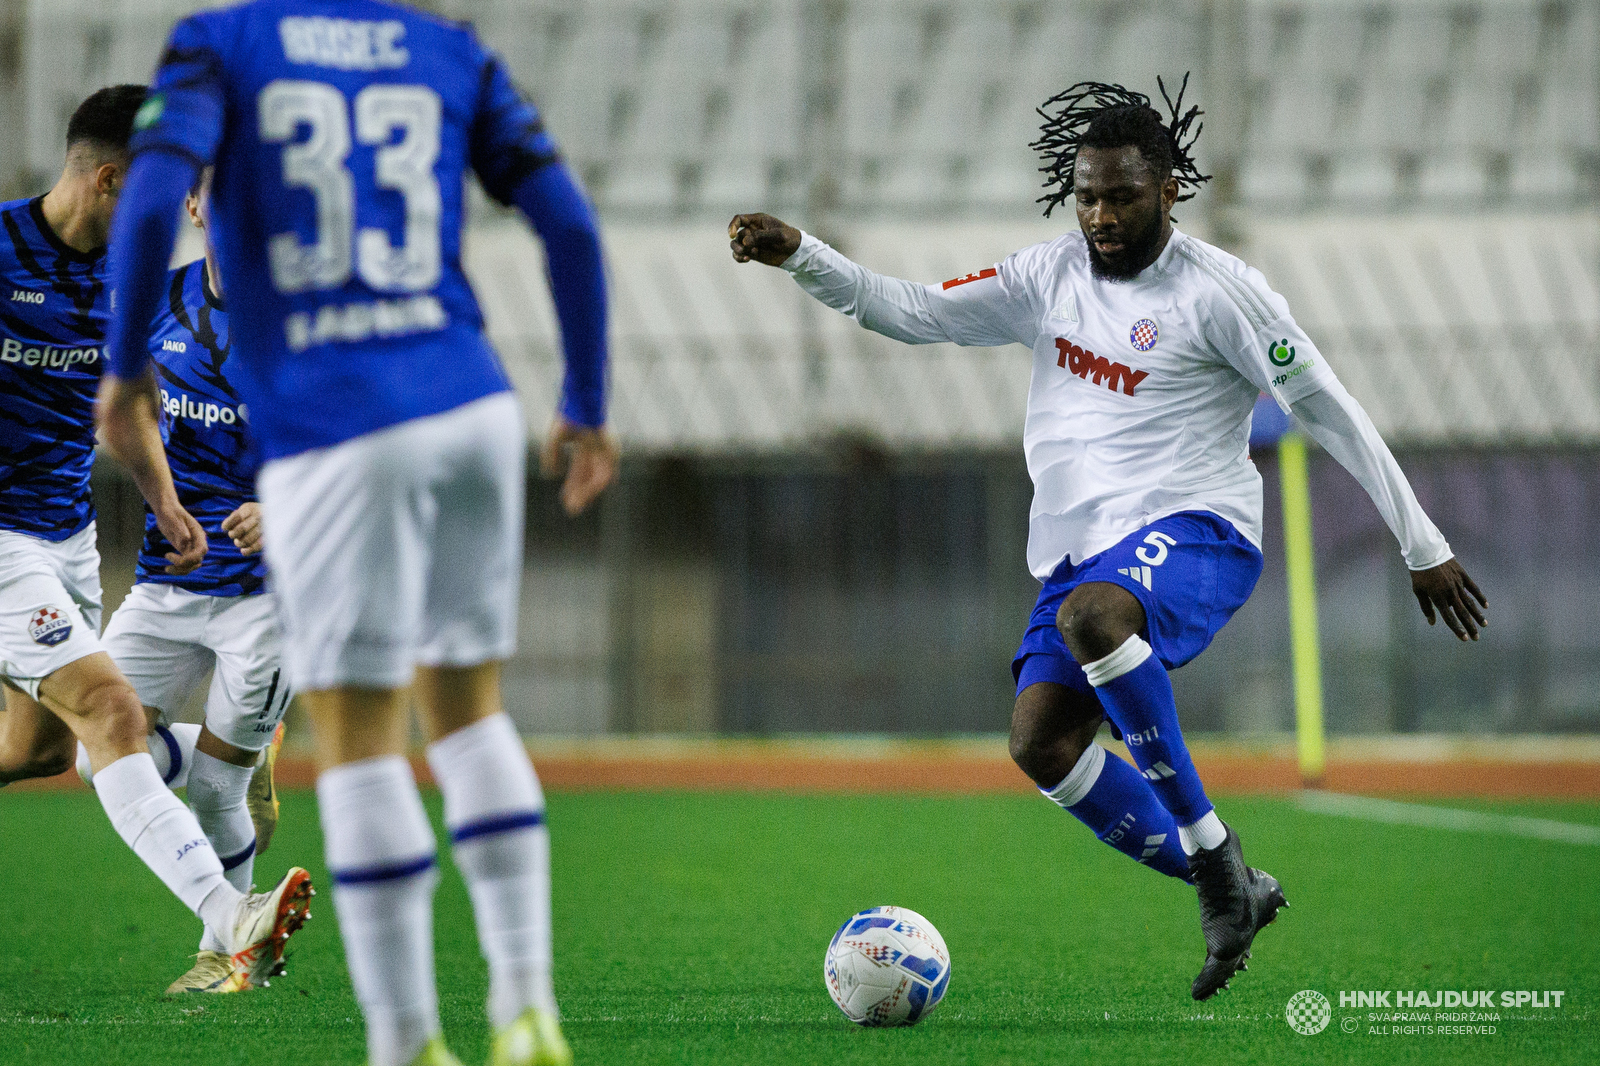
380, 850
217, 796
172, 750
495, 811
1080, 779
1207, 833
1129, 657
164, 833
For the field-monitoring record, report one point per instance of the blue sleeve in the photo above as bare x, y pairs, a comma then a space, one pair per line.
184, 112
517, 163
142, 234
554, 205
508, 140
176, 133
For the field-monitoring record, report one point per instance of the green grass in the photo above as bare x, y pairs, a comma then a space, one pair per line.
690, 929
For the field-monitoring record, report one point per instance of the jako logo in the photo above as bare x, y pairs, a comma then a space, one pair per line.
1086, 364
174, 346
180, 406
187, 848
25, 296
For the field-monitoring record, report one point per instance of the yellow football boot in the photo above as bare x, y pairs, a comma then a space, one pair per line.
262, 799
534, 1039
434, 1053
209, 973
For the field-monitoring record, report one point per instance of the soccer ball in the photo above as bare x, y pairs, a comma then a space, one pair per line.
887, 966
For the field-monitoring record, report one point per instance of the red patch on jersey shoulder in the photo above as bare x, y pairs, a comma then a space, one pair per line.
979, 276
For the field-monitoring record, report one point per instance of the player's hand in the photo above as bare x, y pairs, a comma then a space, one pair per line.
1448, 589
762, 238
243, 527
587, 456
185, 536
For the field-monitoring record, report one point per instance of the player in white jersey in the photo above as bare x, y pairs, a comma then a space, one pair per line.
1150, 348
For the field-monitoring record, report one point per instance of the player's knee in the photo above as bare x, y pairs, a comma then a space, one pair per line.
1047, 737
111, 709
1096, 619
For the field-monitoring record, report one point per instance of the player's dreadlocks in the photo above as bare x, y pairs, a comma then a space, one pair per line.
1093, 114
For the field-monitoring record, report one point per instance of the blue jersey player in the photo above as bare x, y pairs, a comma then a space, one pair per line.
173, 630
392, 488
61, 680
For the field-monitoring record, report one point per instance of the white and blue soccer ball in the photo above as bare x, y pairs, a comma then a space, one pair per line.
887, 966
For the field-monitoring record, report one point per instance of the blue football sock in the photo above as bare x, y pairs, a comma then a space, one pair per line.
1137, 695
1113, 800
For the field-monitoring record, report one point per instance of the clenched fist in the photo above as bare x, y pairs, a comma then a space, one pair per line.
762, 238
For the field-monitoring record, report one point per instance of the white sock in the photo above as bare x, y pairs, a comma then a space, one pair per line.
380, 852
164, 833
217, 797
495, 811
1207, 833
1079, 780
172, 748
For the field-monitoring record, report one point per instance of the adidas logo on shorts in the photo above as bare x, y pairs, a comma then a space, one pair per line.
1141, 574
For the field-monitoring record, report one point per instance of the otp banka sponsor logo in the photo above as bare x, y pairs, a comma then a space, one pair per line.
181, 406
14, 351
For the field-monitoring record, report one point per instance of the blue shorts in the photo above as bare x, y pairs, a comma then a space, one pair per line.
1190, 571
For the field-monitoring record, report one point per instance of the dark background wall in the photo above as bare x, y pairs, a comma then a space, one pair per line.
850, 590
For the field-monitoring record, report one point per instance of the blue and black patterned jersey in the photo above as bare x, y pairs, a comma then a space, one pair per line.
213, 457
53, 313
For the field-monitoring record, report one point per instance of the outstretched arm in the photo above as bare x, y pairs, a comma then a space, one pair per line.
991, 312
1340, 424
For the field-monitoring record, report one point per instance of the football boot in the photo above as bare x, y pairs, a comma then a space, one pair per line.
534, 1039
1236, 903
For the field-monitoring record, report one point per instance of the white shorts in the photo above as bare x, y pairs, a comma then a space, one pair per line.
49, 605
165, 639
399, 548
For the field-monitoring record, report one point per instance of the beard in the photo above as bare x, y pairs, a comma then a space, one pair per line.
1138, 252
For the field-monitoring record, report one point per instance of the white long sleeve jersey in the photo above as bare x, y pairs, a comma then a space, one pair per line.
1142, 390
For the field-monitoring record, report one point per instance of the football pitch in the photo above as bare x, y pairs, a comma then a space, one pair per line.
690, 929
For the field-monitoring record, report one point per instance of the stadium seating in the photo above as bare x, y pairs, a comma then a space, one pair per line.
928, 104
900, 128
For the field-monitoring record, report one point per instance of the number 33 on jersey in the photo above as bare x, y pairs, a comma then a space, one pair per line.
340, 146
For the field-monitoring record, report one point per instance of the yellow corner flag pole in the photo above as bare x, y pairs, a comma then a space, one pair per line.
1303, 639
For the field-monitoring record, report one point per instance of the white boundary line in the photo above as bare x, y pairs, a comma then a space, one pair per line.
1368, 809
